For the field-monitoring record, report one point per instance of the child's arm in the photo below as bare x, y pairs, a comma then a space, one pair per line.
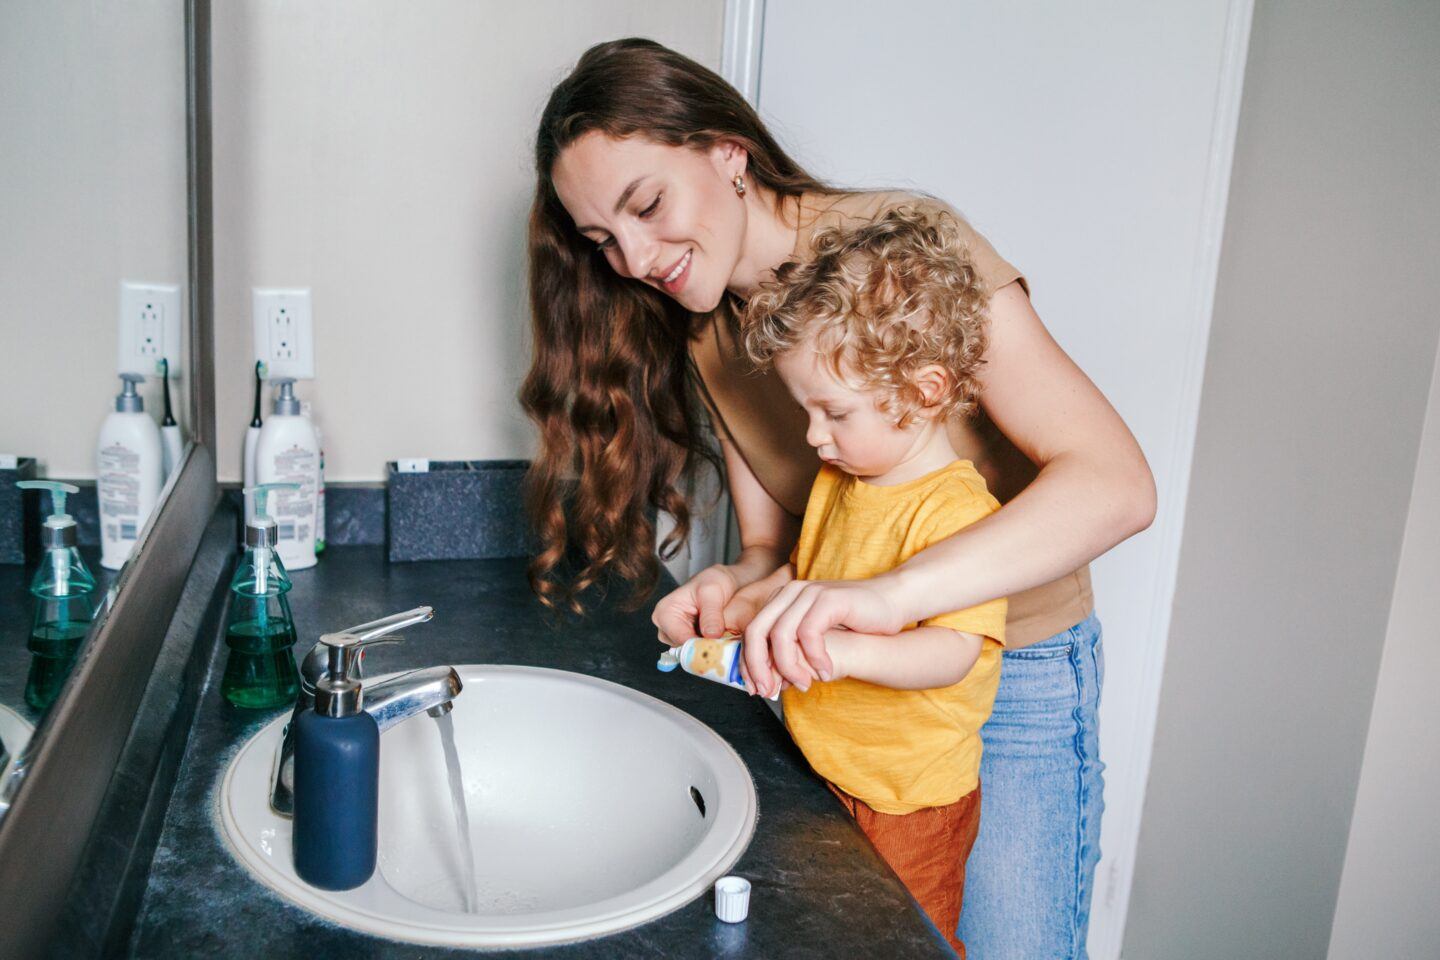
918, 659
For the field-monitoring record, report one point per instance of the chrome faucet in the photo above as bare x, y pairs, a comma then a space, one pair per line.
431, 689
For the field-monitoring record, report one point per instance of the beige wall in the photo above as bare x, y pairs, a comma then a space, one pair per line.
1387, 905
1319, 366
378, 152
92, 191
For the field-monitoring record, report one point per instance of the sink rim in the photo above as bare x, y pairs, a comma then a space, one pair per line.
722, 845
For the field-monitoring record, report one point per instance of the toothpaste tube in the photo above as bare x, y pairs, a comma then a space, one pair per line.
717, 660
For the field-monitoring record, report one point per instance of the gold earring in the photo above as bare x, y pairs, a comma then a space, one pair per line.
739, 183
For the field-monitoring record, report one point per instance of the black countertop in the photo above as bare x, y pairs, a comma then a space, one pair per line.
819, 888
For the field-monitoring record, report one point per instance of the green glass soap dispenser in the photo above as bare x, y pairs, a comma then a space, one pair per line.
261, 670
65, 599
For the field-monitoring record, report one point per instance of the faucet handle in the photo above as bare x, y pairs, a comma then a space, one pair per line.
366, 632
316, 662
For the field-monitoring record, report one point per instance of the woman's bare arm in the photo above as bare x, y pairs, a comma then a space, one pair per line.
1094, 488
767, 533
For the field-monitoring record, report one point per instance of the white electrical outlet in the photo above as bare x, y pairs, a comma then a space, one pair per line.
149, 328
284, 332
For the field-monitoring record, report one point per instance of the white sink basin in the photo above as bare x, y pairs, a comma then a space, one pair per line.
585, 805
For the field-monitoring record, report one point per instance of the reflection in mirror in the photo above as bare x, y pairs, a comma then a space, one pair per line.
93, 269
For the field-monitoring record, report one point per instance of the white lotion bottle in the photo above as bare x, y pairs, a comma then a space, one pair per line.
129, 473
287, 451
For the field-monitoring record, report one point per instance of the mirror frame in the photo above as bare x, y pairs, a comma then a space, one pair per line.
67, 767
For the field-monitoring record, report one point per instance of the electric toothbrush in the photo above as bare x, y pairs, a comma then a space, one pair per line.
252, 437
171, 443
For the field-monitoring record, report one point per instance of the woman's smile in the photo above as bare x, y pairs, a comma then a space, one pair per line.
673, 281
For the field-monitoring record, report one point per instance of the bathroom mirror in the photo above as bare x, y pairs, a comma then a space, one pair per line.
98, 266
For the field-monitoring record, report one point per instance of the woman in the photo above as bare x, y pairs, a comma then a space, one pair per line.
662, 204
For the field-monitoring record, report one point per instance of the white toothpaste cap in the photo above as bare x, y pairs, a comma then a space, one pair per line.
732, 899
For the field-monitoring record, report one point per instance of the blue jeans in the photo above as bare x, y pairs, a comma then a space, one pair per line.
1031, 873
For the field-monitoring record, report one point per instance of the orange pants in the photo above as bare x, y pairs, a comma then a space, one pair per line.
927, 849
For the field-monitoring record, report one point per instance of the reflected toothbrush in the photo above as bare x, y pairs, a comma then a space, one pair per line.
171, 443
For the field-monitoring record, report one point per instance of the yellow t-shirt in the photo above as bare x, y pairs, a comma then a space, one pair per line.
897, 750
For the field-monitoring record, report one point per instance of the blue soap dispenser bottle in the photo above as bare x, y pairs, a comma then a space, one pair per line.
337, 777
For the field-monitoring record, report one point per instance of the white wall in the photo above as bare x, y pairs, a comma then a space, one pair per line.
92, 192
1386, 906
379, 152
1090, 143
1319, 366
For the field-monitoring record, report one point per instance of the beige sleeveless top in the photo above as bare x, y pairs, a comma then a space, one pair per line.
755, 412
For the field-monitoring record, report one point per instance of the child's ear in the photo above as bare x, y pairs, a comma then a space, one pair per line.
932, 381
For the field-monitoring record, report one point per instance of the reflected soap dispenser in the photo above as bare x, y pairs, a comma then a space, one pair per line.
337, 777
129, 473
260, 672
65, 599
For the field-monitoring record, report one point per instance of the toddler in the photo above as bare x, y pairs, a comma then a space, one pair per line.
879, 338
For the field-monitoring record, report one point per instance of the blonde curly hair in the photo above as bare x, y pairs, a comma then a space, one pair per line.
878, 303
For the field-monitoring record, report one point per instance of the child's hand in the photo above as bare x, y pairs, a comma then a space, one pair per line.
747, 602
752, 688
774, 653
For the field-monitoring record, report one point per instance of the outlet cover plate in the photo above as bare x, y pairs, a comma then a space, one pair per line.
284, 332
149, 328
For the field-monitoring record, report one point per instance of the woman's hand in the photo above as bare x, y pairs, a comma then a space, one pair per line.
786, 639
750, 599
696, 608
727, 595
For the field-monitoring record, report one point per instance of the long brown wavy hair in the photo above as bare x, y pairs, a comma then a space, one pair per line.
610, 384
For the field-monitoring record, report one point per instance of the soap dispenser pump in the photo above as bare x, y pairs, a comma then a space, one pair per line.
64, 591
260, 672
337, 777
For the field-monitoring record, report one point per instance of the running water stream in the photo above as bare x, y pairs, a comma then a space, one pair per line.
462, 815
